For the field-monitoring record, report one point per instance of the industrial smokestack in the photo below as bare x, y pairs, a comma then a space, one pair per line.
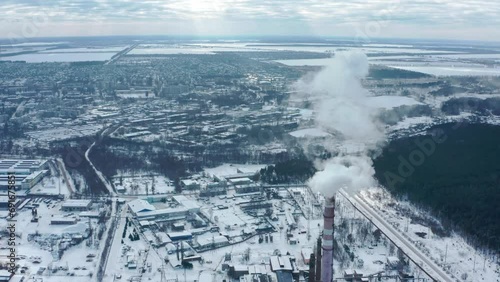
327, 244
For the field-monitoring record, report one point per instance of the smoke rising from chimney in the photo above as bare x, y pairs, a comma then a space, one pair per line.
349, 172
340, 105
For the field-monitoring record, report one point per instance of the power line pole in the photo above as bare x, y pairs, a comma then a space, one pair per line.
474, 268
445, 253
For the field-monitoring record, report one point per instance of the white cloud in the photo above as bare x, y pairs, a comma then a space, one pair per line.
379, 18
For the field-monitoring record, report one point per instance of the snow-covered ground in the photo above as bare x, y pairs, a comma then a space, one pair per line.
136, 184
38, 244
50, 185
389, 102
62, 133
451, 252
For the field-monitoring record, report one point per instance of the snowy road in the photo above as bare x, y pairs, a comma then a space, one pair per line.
113, 220
62, 169
111, 263
429, 266
103, 179
107, 241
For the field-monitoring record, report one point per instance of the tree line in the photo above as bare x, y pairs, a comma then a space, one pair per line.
458, 179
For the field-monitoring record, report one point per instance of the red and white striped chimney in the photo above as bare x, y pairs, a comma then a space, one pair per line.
327, 246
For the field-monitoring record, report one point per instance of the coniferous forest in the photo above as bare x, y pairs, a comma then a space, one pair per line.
458, 177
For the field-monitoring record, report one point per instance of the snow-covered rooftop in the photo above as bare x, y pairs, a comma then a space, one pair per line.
140, 205
76, 203
187, 203
281, 263
213, 240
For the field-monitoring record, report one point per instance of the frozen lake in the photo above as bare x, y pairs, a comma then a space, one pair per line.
453, 71
436, 67
170, 51
86, 50
306, 62
209, 48
60, 57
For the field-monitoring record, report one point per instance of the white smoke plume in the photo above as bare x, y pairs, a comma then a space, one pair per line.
340, 104
351, 173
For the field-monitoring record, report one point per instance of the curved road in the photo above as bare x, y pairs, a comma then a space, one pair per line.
101, 176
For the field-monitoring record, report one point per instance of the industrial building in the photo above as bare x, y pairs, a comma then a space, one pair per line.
352, 275
190, 205
27, 172
21, 167
189, 184
281, 263
32, 179
214, 189
143, 210
180, 236
76, 205
140, 206
256, 277
4, 202
63, 220
5, 275
163, 214
214, 242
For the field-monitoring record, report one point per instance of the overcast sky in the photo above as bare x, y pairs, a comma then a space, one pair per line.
448, 19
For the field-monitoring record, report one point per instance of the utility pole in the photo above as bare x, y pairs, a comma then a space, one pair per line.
474, 268
309, 222
153, 186
445, 253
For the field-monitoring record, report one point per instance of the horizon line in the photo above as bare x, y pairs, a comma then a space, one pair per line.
242, 37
